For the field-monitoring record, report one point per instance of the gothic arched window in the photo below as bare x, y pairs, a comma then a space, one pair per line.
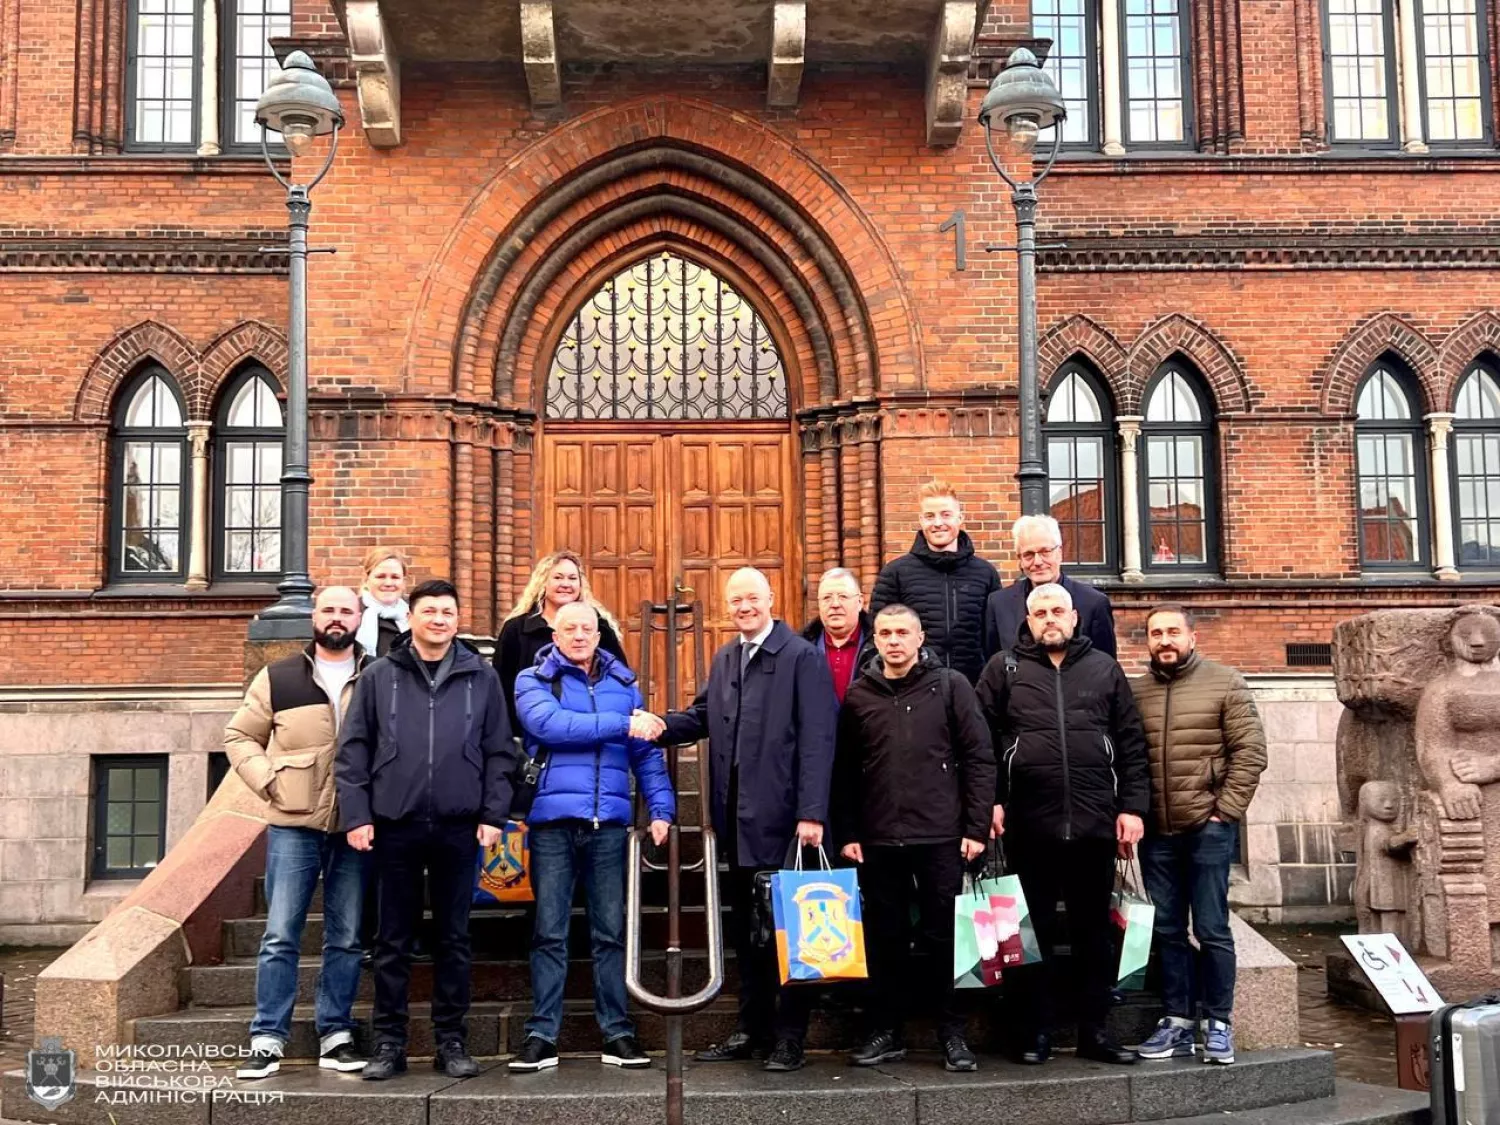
1080, 439
1179, 512
149, 471
247, 478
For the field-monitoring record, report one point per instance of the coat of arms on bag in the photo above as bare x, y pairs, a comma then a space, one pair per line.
49, 1074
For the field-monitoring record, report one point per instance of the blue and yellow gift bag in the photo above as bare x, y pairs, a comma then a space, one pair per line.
820, 931
501, 874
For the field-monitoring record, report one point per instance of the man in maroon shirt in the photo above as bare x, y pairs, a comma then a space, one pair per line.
842, 632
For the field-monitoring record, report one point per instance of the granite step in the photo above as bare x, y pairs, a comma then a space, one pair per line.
495, 1027
1263, 1088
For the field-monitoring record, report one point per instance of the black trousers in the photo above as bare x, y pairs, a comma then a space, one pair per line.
445, 851
1082, 874
890, 880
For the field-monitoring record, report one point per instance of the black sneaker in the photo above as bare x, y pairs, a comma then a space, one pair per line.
389, 1061
453, 1059
739, 1045
535, 1054
624, 1051
343, 1058
882, 1046
957, 1056
786, 1055
262, 1064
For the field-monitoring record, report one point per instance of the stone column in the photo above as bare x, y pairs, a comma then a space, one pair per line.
208, 88
1439, 426
199, 505
1130, 493
1409, 63
1112, 127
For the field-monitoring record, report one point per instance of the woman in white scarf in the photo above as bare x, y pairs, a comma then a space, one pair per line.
385, 616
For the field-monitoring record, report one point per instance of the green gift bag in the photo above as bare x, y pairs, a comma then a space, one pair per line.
968, 969
1018, 935
1134, 917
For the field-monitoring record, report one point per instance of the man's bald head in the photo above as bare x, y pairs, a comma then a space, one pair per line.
337, 595
748, 597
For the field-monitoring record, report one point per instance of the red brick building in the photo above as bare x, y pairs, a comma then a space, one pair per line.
666, 283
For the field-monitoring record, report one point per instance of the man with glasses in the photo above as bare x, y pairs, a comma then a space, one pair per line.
842, 632
1038, 542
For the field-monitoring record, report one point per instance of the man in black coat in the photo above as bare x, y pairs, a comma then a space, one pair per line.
1039, 550
769, 714
944, 581
423, 775
1074, 785
913, 802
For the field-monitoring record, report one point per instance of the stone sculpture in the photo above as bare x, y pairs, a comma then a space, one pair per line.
1380, 885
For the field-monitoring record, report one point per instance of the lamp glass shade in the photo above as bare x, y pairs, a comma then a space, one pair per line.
1022, 91
299, 102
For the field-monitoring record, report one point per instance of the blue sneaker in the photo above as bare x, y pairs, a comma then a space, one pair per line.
1173, 1038
1218, 1042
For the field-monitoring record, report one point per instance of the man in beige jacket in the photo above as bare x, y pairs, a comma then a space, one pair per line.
1207, 750
282, 743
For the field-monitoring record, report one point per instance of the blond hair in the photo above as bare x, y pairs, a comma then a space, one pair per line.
377, 555
531, 597
935, 488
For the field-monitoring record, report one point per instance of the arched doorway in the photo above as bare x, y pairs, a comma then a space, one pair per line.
667, 451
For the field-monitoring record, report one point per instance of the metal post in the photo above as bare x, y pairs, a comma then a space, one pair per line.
1032, 474
674, 897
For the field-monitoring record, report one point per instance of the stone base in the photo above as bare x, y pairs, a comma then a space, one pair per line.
1347, 983
1265, 992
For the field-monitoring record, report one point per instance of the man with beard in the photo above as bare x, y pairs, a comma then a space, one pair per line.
943, 580
1073, 786
282, 743
1207, 749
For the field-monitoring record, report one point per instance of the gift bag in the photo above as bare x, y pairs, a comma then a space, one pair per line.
501, 872
1133, 916
820, 932
974, 937
1018, 944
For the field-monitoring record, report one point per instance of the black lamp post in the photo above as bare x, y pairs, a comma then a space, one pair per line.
1022, 100
300, 105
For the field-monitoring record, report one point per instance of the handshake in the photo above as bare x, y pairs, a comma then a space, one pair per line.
646, 726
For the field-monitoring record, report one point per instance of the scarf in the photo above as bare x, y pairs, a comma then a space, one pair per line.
369, 625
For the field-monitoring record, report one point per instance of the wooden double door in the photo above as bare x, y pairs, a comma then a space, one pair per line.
650, 507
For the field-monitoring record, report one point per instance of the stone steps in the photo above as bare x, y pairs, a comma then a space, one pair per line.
1293, 1087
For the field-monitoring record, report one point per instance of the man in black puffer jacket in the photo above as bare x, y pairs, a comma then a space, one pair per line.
944, 581
914, 784
1074, 785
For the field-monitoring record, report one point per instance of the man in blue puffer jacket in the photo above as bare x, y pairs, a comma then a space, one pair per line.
581, 709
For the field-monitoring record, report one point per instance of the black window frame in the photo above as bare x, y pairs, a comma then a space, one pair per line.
120, 436
229, 12
100, 765
1469, 428
1207, 429
1415, 429
1393, 86
223, 435
1189, 107
1486, 102
132, 33
1109, 451
1094, 93
219, 767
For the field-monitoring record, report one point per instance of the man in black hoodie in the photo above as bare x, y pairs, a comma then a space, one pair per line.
1074, 785
423, 775
944, 581
913, 801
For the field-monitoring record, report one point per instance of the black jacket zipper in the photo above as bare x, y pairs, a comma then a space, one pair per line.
1062, 736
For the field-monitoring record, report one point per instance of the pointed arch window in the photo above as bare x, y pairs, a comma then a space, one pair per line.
1179, 501
1079, 433
1391, 469
149, 471
1476, 466
247, 472
666, 338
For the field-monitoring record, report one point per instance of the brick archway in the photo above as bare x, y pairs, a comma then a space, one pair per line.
249, 340
1080, 336
1177, 335
1473, 338
1383, 332
148, 340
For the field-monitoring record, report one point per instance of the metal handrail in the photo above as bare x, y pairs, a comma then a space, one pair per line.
672, 1005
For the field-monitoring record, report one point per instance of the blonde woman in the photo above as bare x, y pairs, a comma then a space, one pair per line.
383, 598
557, 580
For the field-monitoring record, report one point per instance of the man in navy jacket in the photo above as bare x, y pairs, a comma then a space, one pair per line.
770, 717
423, 778
581, 711
1038, 542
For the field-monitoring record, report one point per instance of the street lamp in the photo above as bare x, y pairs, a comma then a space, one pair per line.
1023, 101
300, 105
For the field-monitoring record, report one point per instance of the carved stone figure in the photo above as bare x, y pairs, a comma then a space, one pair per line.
1458, 717
1381, 892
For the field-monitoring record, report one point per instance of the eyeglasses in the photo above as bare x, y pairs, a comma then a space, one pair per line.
826, 598
1032, 556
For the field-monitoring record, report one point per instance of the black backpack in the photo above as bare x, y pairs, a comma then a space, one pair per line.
527, 777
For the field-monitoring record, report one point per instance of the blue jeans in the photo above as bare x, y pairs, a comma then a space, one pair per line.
1189, 872
295, 857
561, 852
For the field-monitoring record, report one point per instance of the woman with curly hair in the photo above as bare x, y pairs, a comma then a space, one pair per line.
557, 580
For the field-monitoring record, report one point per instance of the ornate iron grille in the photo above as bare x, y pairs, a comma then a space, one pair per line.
666, 338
